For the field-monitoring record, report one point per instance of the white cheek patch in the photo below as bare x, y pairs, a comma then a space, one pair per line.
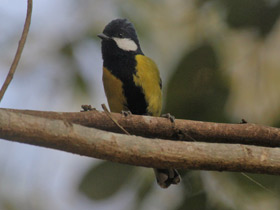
125, 44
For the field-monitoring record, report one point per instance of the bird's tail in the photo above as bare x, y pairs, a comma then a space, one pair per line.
166, 177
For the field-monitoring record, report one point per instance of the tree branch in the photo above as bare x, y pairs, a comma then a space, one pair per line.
66, 136
19, 50
157, 127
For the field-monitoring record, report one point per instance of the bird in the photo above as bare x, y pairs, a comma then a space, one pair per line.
131, 80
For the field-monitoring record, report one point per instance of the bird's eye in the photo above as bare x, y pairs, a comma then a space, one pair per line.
121, 35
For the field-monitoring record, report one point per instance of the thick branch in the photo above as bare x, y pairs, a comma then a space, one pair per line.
135, 150
184, 130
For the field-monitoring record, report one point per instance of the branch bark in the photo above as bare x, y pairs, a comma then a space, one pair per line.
78, 139
157, 127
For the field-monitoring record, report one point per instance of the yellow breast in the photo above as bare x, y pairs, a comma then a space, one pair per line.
114, 92
147, 76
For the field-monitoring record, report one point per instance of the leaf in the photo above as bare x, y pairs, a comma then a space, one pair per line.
105, 179
144, 189
78, 82
197, 89
191, 181
80, 85
198, 201
67, 49
194, 195
257, 14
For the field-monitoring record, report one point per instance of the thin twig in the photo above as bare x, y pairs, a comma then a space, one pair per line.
113, 119
19, 50
259, 184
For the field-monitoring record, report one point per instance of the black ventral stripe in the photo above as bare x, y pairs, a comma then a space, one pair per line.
124, 69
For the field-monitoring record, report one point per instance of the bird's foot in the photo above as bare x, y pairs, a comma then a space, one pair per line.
126, 113
169, 116
86, 108
243, 121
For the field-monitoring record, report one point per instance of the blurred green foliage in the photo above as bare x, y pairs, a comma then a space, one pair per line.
145, 187
268, 181
105, 179
194, 196
197, 89
78, 82
256, 14
260, 15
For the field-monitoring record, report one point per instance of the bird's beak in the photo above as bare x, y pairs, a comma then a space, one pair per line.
103, 36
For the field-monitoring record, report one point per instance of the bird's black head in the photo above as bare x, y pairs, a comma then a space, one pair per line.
119, 38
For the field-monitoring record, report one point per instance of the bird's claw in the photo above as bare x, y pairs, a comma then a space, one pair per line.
126, 113
169, 116
86, 108
243, 121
